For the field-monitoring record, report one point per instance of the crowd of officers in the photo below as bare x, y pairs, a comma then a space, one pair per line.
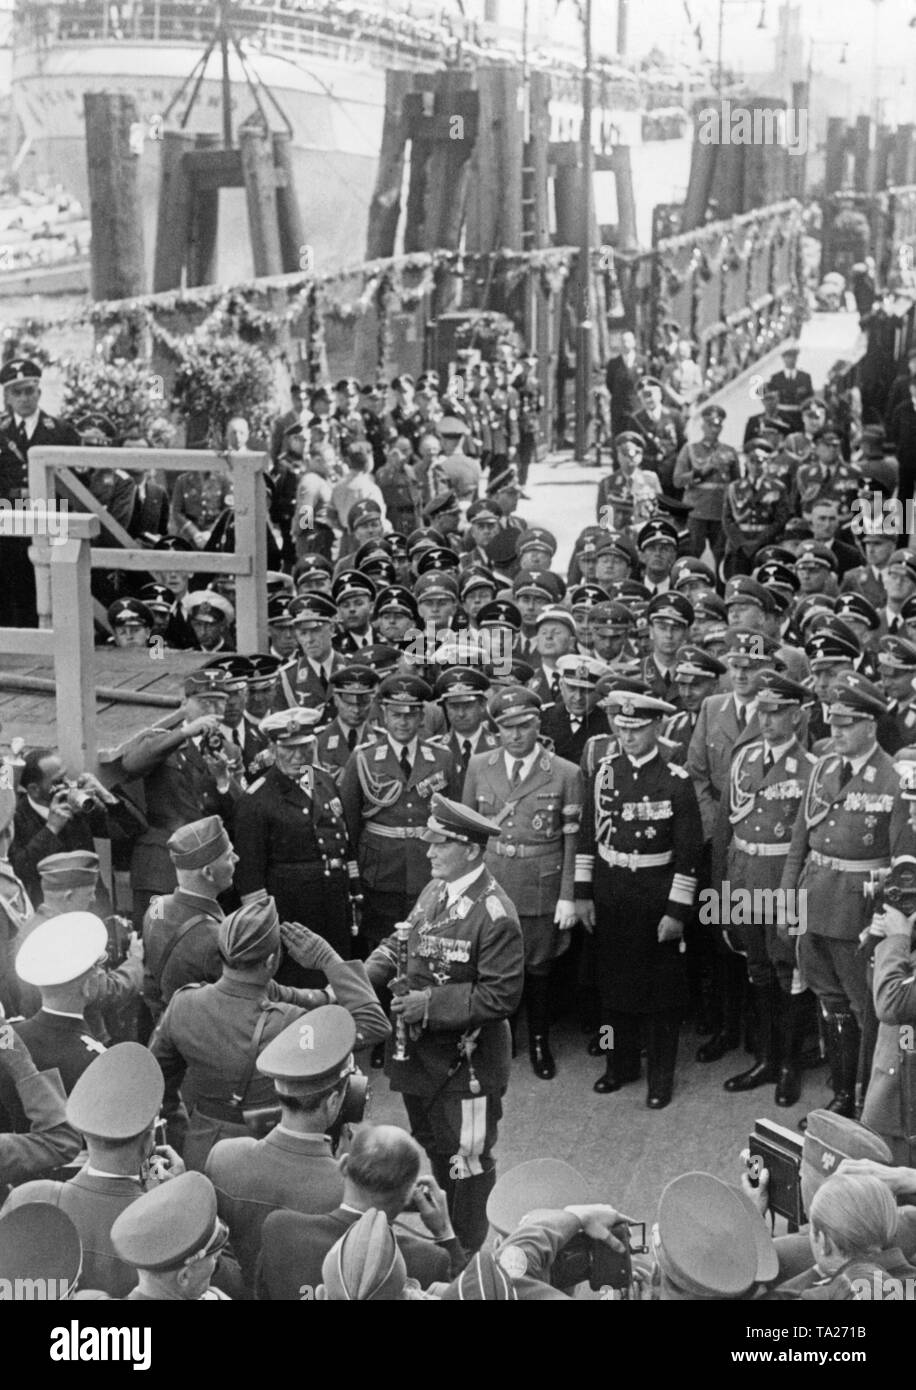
461, 787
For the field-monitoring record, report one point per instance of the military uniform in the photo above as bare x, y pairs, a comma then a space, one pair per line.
848, 824
754, 511
469, 956
336, 742
193, 958
483, 741
637, 853
385, 814
293, 843
300, 683
890, 1101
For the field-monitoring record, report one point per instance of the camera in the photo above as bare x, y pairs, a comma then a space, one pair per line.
585, 1259
893, 887
779, 1150
78, 798
212, 743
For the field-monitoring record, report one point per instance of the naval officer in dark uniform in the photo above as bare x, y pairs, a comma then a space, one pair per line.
23, 425
292, 840
460, 984
636, 882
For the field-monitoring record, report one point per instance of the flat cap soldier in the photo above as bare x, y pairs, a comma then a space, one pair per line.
635, 886
181, 929
850, 822
460, 956
292, 838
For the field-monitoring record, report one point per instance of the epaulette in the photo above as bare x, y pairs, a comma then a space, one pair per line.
809, 757
678, 770
495, 908
368, 744
254, 786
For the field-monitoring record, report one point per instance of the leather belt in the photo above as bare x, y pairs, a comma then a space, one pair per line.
634, 861
846, 866
222, 1111
513, 851
764, 850
396, 832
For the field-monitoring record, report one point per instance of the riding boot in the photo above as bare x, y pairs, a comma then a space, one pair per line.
537, 1001
764, 1004
662, 1036
842, 1035
730, 983
793, 1021
867, 1044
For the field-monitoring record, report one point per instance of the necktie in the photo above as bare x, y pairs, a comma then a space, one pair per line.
845, 772
351, 739
465, 753
516, 773
323, 678
894, 624
555, 685
406, 766
768, 763
742, 717
666, 676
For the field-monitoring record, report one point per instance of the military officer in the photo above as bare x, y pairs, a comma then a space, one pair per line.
850, 822
536, 800
23, 425
462, 693
670, 616
458, 978
185, 775
768, 778
636, 883
292, 841
292, 1166
613, 631
352, 688
64, 958
754, 510
576, 718
394, 614
696, 676
657, 544
897, 669
385, 791
208, 1040
354, 594
181, 929
830, 654
171, 1238
114, 1105
242, 732
705, 470
306, 679
659, 429
860, 615
890, 1102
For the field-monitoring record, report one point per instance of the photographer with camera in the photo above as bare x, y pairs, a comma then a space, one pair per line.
186, 774
381, 1172
56, 813
890, 1101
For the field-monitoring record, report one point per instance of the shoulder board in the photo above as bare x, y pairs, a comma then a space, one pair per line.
428, 754
495, 908
810, 758
254, 786
438, 741
677, 771
369, 743
493, 758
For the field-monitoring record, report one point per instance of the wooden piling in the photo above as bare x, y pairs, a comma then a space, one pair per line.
117, 253
261, 194
173, 223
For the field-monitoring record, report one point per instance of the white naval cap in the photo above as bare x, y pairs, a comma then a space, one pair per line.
62, 949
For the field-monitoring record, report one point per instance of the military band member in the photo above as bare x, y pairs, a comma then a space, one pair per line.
306, 679
352, 689
850, 822
463, 982
767, 782
292, 842
462, 693
181, 929
635, 886
210, 1036
536, 800
385, 791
